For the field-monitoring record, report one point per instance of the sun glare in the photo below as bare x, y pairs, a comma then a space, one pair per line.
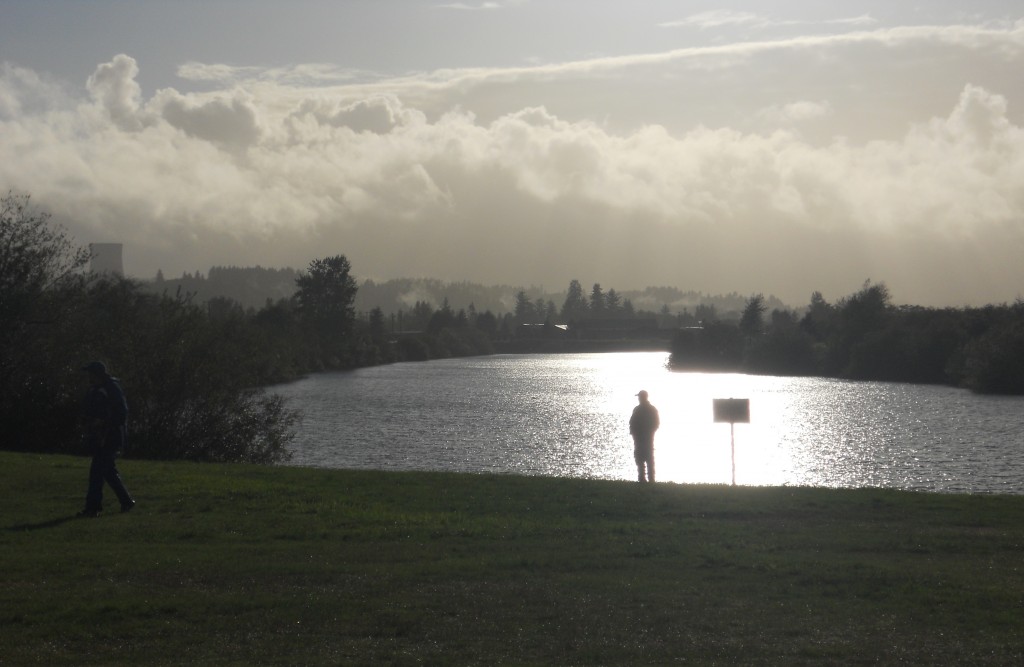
690, 447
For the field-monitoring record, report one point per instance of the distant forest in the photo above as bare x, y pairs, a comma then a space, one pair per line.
255, 287
863, 336
195, 354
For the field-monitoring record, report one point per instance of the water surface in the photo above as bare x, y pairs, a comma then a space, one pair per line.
566, 415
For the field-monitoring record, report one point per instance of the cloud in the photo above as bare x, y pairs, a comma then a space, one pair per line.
23, 91
794, 113
1004, 39
306, 74
980, 116
229, 123
718, 18
462, 6
714, 19
379, 114
273, 174
480, 6
864, 19
113, 87
196, 71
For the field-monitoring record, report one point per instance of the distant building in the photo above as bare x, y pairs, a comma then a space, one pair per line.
106, 258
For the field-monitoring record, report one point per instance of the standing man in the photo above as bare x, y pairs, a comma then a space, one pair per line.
105, 414
642, 425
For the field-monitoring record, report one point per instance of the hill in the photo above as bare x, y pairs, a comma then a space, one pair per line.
241, 564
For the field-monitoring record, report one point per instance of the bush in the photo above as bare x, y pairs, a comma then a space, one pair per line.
994, 363
717, 346
190, 379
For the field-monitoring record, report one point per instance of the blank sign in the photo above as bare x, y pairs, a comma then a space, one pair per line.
732, 410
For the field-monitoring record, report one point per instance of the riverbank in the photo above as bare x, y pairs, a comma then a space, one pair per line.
238, 564
571, 346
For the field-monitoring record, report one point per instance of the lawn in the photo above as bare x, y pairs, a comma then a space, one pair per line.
239, 565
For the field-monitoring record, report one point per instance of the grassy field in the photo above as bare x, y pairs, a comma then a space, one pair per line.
239, 565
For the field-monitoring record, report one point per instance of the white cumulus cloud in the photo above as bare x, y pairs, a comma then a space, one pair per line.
260, 171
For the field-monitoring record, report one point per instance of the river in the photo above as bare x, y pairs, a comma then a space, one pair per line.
566, 416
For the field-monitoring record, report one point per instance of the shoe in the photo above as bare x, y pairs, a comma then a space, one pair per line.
88, 514
127, 507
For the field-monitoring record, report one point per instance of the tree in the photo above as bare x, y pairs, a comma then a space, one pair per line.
613, 303
192, 379
524, 312
34, 258
420, 316
376, 325
544, 311
38, 281
784, 349
993, 361
597, 302
487, 323
192, 375
705, 313
858, 342
718, 346
819, 320
326, 293
444, 318
325, 297
575, 305
867, 309
752, 320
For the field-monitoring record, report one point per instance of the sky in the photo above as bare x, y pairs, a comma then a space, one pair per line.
775, 147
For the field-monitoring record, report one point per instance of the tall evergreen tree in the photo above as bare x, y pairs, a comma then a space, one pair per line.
752, 319
597, 303
575, 306
613, 303
524, 308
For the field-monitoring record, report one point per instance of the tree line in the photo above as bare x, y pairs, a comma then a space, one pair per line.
865, 337
252, 287
196, 371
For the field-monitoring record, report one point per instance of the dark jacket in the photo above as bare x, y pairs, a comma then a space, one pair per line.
644, 422
106, 414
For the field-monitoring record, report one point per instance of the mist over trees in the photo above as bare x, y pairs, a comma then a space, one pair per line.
194, 369
253, 287
250, 287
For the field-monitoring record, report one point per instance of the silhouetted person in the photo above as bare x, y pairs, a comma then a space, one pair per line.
105, 414
642, 424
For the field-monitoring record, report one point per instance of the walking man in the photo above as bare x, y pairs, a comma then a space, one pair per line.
105, 414
642, 424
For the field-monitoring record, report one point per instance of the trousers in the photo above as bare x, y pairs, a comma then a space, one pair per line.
104, 469
643, 454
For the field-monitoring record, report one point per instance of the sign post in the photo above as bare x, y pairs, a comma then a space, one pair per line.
733, 411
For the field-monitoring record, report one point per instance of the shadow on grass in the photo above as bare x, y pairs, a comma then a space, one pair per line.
52, 523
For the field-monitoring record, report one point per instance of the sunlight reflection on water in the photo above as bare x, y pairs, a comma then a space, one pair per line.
566, 415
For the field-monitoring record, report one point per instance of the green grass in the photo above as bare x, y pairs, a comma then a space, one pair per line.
234, 564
